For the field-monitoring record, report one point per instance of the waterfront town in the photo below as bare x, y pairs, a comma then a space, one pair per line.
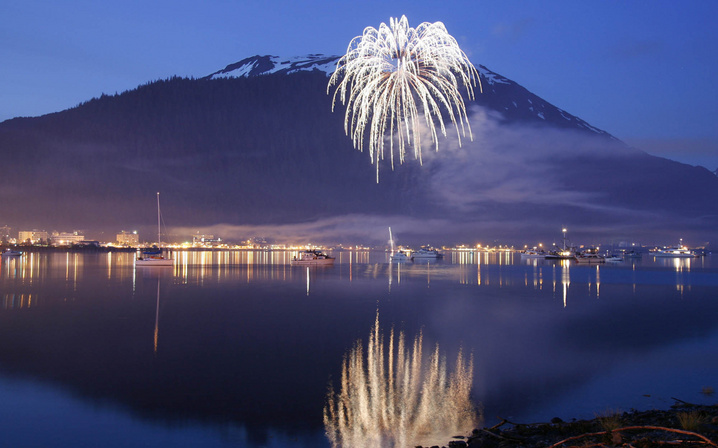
123, 239
131, 240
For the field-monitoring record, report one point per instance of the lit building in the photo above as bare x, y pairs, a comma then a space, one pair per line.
205, 240
257, 242
131, 239
32, 236
66, 239
5, 235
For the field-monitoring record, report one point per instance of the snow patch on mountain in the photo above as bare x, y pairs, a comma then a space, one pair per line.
491, 78
269, 64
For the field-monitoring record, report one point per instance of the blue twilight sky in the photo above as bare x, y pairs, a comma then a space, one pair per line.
642, 70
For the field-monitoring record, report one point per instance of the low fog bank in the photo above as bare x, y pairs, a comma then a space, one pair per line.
516, 184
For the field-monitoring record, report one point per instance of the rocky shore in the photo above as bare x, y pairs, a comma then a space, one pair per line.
683, 425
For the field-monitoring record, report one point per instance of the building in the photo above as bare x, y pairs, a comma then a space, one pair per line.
32, 236
131, 239
66, 239
205, 241
5, 235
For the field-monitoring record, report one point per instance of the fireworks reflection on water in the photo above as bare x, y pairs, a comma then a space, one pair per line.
391, 397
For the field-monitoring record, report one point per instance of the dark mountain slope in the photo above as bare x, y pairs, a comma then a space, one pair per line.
232, 150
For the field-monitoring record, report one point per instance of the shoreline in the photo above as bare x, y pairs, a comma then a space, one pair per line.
682, 425
74, 248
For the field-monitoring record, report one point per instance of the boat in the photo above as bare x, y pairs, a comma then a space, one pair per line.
154, 257
400, 256
566, 253
11, 253
312, 258
632, 254
613, 258
561, 255
675, 252
589, 258
426, 253
533, 253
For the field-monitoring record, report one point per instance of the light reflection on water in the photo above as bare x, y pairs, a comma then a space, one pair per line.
465, 267
226, 322
392, 397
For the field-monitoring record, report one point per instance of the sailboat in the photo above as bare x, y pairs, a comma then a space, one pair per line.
154, 258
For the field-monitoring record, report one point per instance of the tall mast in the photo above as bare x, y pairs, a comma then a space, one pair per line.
159, 240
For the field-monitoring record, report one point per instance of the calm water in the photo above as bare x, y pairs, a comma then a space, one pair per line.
237, 349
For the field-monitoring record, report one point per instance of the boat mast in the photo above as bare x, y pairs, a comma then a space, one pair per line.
391, 241
159, 239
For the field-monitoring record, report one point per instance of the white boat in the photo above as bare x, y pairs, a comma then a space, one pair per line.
11, 253
675, 252
533, 253
399, 256
589, 258
312, 258
613, 258
154, 257
426, 254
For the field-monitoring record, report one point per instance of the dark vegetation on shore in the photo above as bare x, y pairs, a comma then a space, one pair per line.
683, 425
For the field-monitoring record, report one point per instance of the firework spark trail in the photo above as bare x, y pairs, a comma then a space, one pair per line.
395, 399
394, 75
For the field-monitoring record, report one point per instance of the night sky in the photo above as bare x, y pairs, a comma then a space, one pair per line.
642, 71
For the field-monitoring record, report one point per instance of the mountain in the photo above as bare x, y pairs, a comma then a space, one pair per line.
255, 150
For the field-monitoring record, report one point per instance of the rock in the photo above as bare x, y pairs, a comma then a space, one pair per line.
590, 432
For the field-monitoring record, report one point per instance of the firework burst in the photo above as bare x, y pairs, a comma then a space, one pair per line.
393, 77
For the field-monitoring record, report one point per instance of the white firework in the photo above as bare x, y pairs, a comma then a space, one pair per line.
392, 77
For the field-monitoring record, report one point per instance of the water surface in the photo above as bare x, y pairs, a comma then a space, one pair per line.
238, 348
